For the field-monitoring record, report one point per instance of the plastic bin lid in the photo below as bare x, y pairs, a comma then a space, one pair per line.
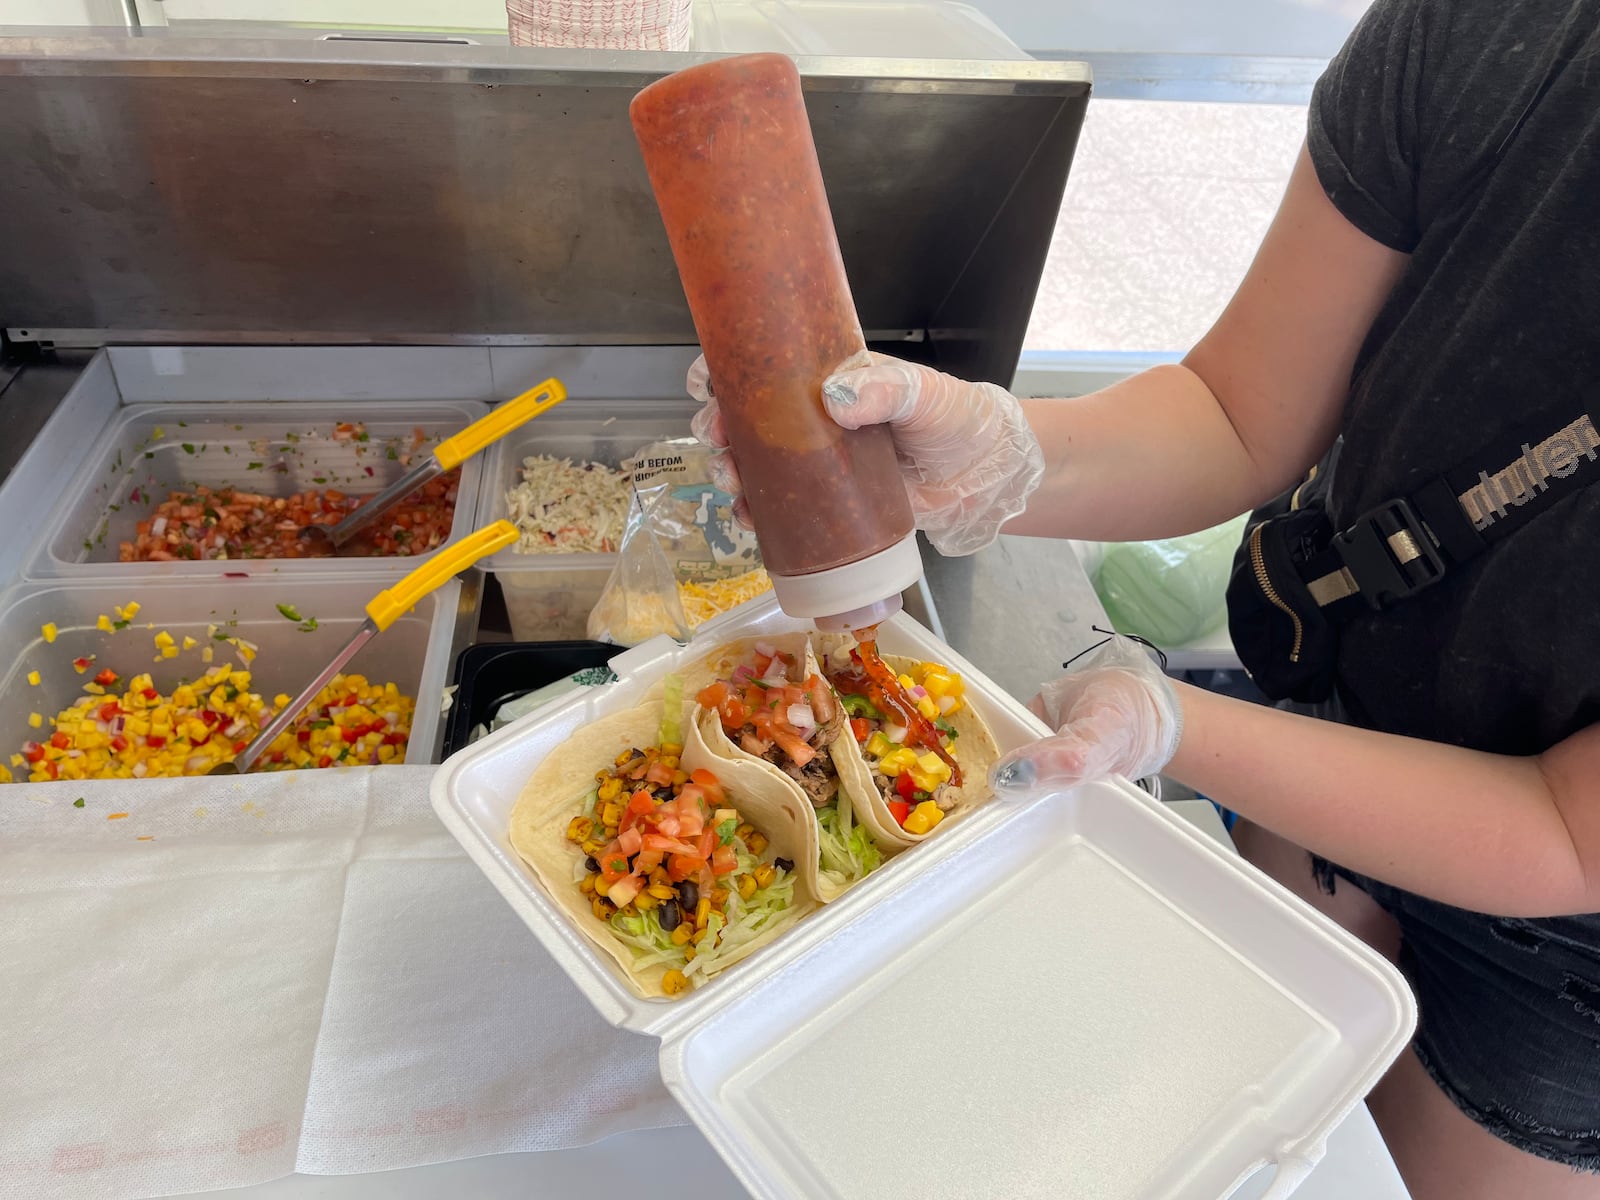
1093, 1000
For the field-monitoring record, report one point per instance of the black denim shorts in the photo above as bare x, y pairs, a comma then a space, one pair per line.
1508, 1017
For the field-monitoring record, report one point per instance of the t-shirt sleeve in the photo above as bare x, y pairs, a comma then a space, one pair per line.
1363, 127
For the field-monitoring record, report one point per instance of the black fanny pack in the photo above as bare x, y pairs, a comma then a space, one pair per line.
1297, 577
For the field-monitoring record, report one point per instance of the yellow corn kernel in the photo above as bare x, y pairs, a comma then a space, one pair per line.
103, 624
702, 912
670, 749
670, 761
682, 933
756, 843
644, 901
610, 789
688, 948
586, 885
163, 640
33, 678
601, 887
592, 847
747, 886
923, 817
674, 982
680, 777
579, 829
622, 758
49, 631
719, 897
658, 878
610, 815
661, 891
602, 908
764, 875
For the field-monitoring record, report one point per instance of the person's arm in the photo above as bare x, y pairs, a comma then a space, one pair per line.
1250, 409
1489, 832
1493, 833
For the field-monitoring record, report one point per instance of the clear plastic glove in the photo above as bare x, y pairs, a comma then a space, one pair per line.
967, 455
1115, 714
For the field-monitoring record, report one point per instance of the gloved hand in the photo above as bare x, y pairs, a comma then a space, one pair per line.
967, 455
1115, 714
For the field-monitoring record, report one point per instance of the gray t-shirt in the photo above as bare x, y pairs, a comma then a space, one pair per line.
1467, 133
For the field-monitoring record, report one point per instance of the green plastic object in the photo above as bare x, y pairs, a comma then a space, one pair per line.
1171, 591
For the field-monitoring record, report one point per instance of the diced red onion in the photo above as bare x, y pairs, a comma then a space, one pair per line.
743, 674
895, 733
801, 717
158, 526
767, 649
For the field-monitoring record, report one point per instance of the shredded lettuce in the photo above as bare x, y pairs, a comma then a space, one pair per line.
742, 922
672, 711
847, 850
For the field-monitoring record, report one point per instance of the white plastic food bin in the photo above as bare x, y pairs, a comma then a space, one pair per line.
1078, 995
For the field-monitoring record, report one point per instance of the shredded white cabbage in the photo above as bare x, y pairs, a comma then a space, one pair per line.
562, 507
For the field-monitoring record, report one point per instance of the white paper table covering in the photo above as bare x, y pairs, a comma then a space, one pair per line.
296, 972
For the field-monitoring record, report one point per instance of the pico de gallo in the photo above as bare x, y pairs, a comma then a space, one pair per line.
902, 724
670, 864
229, 523
773, 708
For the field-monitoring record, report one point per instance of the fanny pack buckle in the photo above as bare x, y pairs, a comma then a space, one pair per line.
1389, 554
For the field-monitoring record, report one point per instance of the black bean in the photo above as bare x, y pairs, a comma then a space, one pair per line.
783, 864
671, 915
688, 894
591, 864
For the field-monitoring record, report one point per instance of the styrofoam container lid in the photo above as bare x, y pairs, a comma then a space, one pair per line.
1078, 995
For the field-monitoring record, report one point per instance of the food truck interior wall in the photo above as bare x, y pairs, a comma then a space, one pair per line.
191, 191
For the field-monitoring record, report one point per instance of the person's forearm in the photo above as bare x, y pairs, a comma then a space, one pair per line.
1152, 456
1480, 831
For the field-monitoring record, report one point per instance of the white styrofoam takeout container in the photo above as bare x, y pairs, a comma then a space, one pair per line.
1076, 995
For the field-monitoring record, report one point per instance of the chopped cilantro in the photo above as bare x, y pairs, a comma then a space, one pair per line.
320, 724
309, 625
78, 803
188, 447
255, 466
392, 454
120, 625
290, 612
319, 479
183, 424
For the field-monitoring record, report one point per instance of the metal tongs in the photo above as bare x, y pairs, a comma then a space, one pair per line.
448, 455
383, 610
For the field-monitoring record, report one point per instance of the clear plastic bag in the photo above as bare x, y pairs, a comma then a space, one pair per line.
1170, 591
684, 559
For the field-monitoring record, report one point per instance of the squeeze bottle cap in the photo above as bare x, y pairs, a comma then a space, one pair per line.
856, 594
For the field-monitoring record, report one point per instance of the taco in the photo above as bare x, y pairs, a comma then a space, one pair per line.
918, 753
765, 708
668, 869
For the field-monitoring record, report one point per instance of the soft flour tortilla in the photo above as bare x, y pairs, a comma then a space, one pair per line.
559, 787
975, 751
755, 772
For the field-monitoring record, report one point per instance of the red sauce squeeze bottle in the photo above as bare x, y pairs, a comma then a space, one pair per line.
734, 170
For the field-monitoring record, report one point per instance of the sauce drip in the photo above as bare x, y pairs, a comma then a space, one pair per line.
883, 689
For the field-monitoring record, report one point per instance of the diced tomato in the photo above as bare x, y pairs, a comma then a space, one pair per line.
797, 750
648, 860
667, 826
630, 842
277, 756
713, 695
624, 890
659, 774
324, 761
613, 863
238, 747
670, 845
106, 678
53, 769
351, 733
735, 713
80, 665
707, 843
32, 751
723, 860
861, 727
155, 742
682, 866
899, 810
109, 710
150, 693
210, 718
715, 796
691, 792
60, 740
904, 785
118, 744
763, 661
394, 739
302, 736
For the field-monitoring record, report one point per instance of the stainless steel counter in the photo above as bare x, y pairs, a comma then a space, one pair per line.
1018, 609
29, 394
